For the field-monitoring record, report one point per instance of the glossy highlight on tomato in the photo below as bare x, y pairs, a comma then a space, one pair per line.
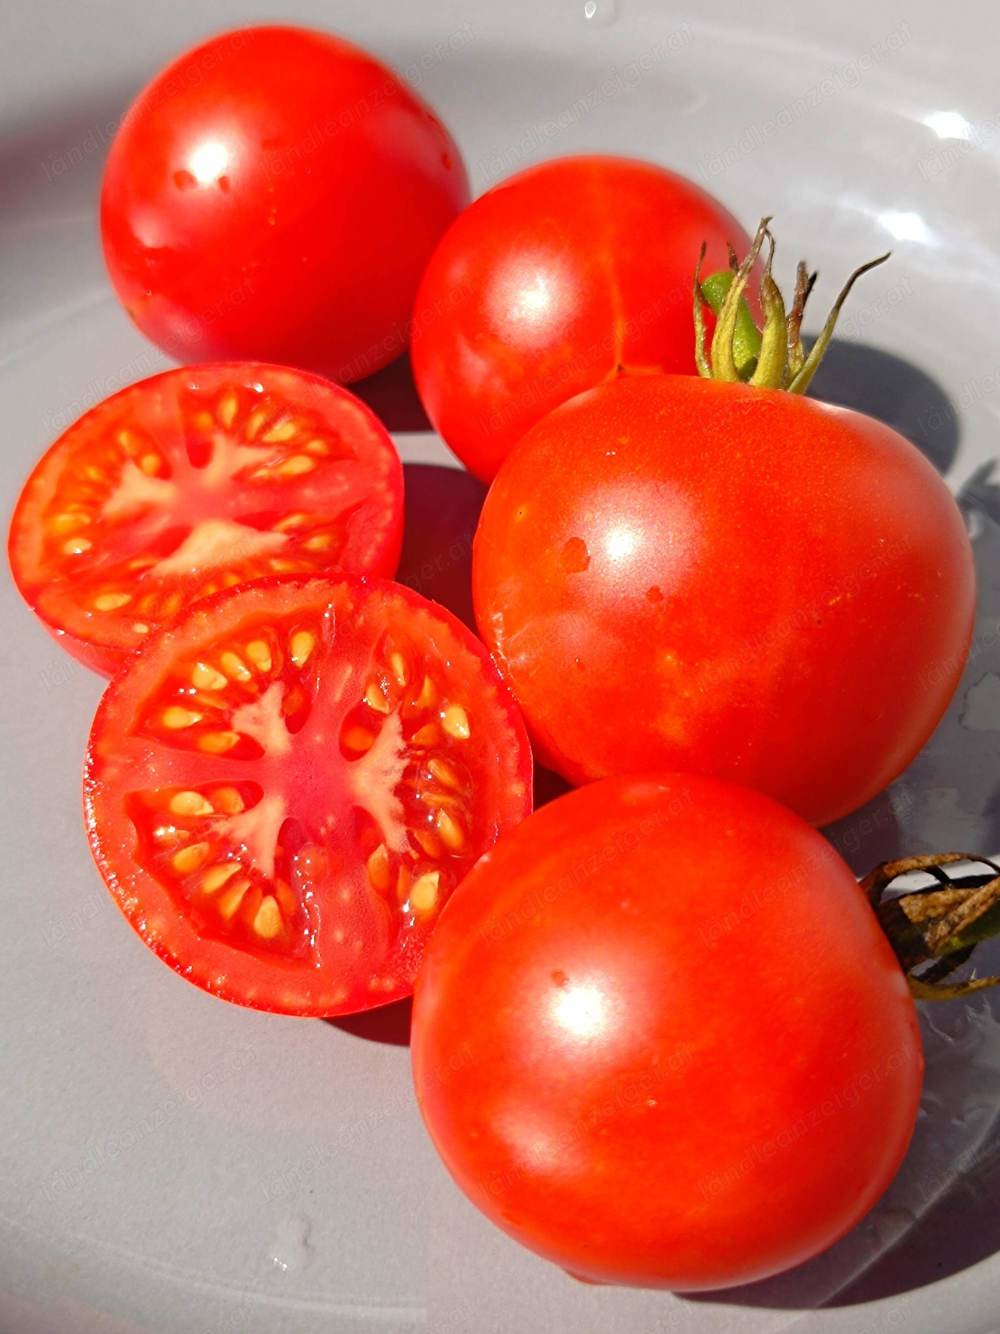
550, 283
725, 579
274, 194
693, 1059
284, 786
194, 480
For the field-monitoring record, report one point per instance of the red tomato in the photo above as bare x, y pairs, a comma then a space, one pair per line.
284, 786
692, 1060
681, 573
195, 480
551, 283
275, 194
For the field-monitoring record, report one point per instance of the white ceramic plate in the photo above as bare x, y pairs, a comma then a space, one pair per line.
170, 1163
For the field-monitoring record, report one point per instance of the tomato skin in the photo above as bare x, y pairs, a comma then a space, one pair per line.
548, 283
293, 830
693, 1059
730, 580
357, 485
274, 194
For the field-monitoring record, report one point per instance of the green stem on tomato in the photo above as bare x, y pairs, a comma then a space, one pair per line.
772, 357
746, 335
935, 930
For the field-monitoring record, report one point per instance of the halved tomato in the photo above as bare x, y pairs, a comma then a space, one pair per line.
195, 480
284, 786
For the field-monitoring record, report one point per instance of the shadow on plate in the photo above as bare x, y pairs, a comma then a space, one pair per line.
961, 1229
59, 155
949, 799
389, 1024
442, 510
392, 396
854, 375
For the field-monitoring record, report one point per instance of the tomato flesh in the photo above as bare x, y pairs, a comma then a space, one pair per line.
549, 284
681, 573
284, 787
195, 480
692, 1060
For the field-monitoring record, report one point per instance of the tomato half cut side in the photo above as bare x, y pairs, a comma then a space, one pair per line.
284, 786
195, 480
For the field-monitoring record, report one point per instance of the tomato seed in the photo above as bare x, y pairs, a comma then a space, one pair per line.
443, 772
226, 409
233, 897
301, 646
228, 800
375, 699
378, 868
455, 722
424, 891
452, 833
291, 521
259, 654
428, 735
217, 876
437, 800
111, 601
233, 665
190, 858
66, 522
428, 696
216, 743
281, 431
132, 441
428, 843
267, 921
255, 421
295, 466
176, 717
189, 803
205, 677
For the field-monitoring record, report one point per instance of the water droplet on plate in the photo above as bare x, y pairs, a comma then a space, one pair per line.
600, 13
291, 1249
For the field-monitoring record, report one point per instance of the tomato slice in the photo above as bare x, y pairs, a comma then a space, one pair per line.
196, 480
284, 786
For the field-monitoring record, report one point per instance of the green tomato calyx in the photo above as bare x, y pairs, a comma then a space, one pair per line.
771, 356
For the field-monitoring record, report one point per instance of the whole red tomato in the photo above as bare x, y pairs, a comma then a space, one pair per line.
551, 283
682, 573
690, 1058
274, 194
